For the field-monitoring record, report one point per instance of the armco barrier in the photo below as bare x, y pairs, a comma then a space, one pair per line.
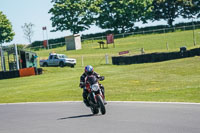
154, 57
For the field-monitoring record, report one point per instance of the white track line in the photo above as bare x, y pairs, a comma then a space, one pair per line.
143, 102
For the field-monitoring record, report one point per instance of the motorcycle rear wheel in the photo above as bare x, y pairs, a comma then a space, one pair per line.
101, 105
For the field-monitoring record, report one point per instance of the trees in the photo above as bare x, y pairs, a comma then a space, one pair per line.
79, 15
196, 4
73, 15
171, 9
122, 14
167, 10
6, 35
28, 31
190, 8
6, 32
117, 15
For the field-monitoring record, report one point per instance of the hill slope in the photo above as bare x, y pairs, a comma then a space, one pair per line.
176, 80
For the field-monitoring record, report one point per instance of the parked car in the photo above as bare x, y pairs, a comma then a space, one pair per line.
58, 60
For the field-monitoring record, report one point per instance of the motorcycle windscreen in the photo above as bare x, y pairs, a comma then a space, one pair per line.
92, 79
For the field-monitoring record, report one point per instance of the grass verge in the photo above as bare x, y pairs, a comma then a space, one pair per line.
169, 81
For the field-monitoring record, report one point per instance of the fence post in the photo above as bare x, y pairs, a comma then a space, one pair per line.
2, 59
167, 46
16, 55
142, 51
194, 38
82, 62
107, 60
165, 38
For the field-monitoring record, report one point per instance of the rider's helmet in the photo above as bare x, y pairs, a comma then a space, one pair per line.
89, 69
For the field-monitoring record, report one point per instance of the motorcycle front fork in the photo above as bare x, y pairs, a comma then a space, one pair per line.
94, 96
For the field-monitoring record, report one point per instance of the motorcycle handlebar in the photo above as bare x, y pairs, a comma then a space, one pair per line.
81, 85
101, 78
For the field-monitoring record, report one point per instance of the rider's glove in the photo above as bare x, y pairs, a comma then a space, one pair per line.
82, 85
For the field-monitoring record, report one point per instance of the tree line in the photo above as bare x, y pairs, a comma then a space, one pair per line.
6, 32
118, 15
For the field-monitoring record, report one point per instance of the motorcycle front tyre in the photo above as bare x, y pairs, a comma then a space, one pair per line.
101, 105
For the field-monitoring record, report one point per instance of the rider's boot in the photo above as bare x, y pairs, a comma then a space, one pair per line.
104, 101
86, 102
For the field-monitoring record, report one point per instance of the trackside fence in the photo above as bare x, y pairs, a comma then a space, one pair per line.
92, 40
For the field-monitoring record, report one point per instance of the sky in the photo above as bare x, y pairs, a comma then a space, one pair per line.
20, 12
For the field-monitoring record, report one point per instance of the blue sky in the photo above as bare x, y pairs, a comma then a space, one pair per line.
36, 12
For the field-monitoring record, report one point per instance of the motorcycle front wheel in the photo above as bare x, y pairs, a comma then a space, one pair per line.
101, 105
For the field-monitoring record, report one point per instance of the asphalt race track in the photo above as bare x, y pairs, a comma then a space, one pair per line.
121, 117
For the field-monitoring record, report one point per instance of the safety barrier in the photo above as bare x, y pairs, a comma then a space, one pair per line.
27, 72
9, 74
20, 73
154, 57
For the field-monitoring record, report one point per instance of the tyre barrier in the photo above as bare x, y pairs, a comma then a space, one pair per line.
9, 74
154, 57
20, 73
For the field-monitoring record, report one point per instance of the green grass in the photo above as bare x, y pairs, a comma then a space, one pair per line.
169, 81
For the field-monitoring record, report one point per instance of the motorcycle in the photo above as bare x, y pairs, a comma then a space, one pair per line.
95, 95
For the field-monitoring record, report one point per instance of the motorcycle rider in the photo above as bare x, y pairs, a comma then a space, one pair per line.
89, 70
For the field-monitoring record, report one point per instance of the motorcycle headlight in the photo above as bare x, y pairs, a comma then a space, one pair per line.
95, 87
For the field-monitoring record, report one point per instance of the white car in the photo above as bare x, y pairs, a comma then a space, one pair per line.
58, 60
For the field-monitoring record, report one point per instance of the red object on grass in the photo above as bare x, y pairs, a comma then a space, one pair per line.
45, 43
110, 38
123, 52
